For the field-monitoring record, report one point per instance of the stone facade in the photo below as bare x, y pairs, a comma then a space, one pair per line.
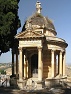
40, 51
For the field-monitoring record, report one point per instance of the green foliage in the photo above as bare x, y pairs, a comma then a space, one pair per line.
2, 71
9, 23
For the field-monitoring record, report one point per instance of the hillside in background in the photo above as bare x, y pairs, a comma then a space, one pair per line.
68, 70
8, 69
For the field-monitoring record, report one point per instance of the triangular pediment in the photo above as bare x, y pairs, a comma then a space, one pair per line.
28, 34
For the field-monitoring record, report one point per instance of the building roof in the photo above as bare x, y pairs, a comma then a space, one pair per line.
38, 20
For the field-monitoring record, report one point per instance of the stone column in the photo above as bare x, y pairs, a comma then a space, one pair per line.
52, 62
20, 64
12, 62
40, 65
60, 64
17, 64
25, 70
55, 65
64, 62
23, 63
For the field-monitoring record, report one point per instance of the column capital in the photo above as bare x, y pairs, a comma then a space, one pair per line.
39, 47
62, 51
20, 48
52, 50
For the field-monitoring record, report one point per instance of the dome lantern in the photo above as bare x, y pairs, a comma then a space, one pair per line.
38, 7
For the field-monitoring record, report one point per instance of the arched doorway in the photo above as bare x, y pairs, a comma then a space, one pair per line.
34, 65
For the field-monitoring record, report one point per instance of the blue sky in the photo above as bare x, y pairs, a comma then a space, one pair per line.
59, 11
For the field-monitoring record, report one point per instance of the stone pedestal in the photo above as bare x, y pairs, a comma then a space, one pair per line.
51, 82
13, 82
21, 84
39, 85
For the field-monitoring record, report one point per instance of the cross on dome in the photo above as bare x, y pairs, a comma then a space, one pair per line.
38, 7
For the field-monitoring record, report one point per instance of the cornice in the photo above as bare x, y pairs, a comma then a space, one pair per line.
56, 41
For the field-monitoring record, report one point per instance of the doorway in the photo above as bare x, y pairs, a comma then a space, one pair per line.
34, 65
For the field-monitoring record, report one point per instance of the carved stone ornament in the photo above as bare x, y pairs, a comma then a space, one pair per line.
20, 48
61, 51
39, 47
28, 25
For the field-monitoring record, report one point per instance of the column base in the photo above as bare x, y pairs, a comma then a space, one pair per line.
17, 76
13, 81
50, 82
21, 84
40, 85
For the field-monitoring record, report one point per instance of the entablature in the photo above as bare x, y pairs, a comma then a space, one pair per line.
56, 41
30, 43
55, 47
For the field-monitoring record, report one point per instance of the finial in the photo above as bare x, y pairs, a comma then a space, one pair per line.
38, 7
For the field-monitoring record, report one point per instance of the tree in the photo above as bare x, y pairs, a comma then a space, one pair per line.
2, 71
9, 23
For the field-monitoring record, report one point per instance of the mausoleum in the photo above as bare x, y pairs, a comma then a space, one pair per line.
42, 55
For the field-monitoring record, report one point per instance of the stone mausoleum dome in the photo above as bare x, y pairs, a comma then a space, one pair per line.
37, 20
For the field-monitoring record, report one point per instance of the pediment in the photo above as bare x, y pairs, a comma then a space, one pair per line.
28, 34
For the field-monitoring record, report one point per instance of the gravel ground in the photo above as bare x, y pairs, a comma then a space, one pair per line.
46, 91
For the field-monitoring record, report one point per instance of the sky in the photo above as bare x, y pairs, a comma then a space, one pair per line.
59, 11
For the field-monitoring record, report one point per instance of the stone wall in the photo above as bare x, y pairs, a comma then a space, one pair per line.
46, 64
